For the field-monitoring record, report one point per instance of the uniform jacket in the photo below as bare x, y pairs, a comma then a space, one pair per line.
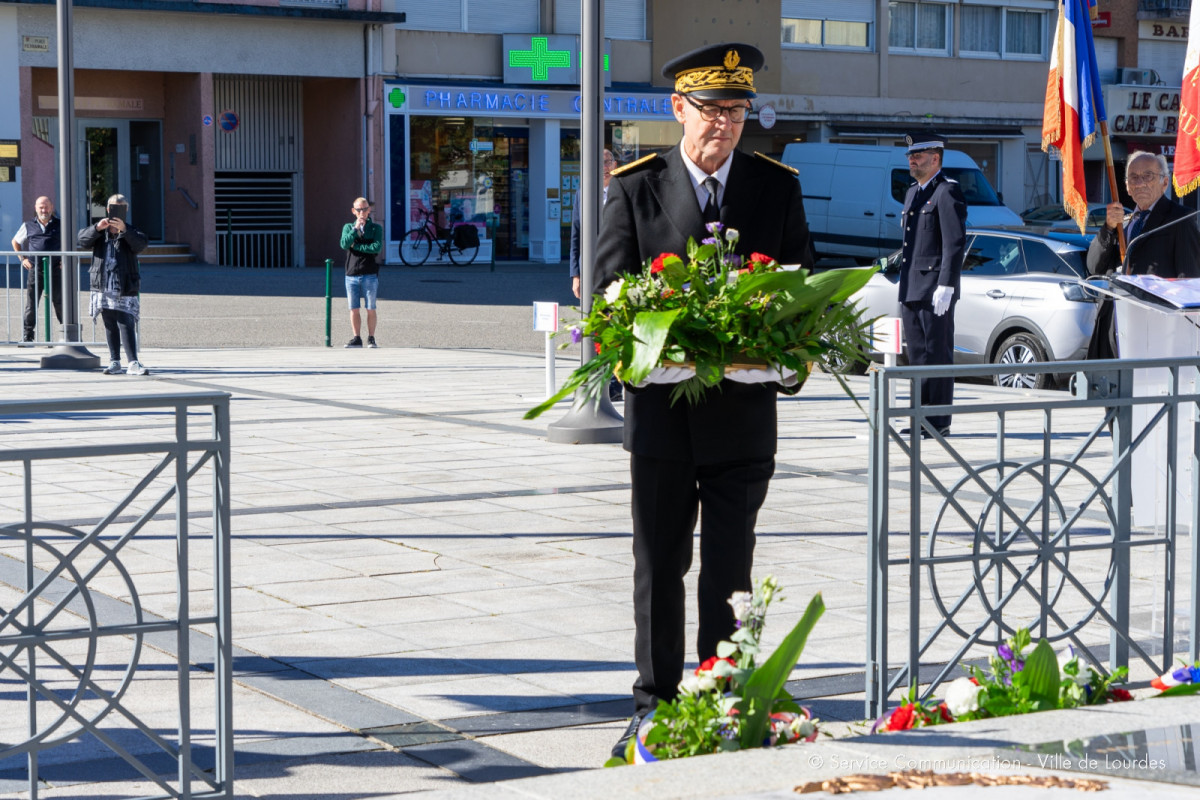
652, 209
935, 239
1167, 256
129, 244
362, 248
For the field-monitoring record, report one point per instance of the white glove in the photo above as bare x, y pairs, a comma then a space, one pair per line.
941, 299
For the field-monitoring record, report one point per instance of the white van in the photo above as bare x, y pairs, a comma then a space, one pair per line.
854, 195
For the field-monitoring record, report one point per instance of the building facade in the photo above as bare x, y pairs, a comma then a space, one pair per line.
241, 130
244, 129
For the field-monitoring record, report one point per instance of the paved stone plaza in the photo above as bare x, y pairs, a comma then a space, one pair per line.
429, 596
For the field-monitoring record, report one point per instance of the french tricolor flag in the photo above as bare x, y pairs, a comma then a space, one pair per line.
1187, 142
1074, 101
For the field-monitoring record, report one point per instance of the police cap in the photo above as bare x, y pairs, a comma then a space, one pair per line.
924, 141
716, 71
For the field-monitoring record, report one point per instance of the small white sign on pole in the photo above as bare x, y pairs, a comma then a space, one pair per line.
545, 318
887, 336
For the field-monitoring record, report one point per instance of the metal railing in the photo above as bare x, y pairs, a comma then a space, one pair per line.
16, 281
1025, 518
74, 628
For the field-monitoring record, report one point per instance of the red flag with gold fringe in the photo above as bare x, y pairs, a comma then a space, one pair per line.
1187, 142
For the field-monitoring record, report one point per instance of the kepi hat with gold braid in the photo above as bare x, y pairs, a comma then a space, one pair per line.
716, 71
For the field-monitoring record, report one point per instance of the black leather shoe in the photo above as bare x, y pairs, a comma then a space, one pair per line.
622, 744
616, 393
925, 434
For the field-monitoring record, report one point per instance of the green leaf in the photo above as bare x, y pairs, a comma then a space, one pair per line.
1041, 676
726, 649
1183, 688
767, 681
616, 762
650, 328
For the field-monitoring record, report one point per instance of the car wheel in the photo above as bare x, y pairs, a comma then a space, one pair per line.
837, 363
1018, 349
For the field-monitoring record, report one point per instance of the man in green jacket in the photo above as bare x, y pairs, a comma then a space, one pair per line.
362, 240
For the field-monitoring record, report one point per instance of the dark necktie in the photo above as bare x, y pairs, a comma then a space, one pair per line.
711, 212
1135, 225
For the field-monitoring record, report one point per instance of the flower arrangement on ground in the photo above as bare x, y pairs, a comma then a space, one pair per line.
1014, 683
1184, 679
730, 702
714, 311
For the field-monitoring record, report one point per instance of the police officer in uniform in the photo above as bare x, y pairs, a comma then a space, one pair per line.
935, 244
715, 457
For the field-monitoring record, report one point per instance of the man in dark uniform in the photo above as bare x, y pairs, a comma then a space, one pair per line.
935, 244
717, 455
1167, 256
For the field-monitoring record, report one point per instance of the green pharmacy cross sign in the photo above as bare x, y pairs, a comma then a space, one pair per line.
540, 58
547, 59
396, 98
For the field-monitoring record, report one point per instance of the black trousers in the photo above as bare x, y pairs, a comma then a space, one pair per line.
119, 329
930, 341
33, 295
666, 498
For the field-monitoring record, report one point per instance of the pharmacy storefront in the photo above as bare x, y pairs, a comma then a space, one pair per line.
504, 158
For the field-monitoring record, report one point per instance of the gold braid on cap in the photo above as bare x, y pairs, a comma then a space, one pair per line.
728, 76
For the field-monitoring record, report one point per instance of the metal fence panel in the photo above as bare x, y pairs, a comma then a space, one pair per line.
93, 643
16, 279
1037, 535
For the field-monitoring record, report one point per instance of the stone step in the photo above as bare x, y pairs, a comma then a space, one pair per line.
167, 253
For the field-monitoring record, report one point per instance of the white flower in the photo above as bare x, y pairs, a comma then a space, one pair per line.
635, 296
706, 682
614, 290
1065, 657
962, 696
690, 685
743, 604
802, 727
731, 235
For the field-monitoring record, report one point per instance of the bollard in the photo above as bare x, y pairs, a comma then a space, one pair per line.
328, 301
47, 287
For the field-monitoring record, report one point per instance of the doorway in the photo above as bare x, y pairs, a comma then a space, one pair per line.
118, 156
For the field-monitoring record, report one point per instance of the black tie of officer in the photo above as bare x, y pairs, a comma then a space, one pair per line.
711, 212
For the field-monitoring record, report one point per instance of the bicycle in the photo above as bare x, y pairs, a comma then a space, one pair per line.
460, 243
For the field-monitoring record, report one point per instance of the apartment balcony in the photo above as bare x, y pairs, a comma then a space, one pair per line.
1164, 9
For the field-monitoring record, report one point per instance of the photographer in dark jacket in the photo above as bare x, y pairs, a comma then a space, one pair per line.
116, 281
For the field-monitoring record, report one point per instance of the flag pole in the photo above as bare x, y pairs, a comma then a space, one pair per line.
1112, 183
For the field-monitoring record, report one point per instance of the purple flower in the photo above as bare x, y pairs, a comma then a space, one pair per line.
576, 334
1005, 652
708, 240
733, 260
713, 227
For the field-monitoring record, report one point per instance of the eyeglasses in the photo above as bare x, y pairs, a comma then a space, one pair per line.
362, 210
1145, 177
710, 111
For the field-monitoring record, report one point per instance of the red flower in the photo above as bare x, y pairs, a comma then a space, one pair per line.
597, 346
759, 258
1119, 695
656, 266
945, 712
711, 662
668, 292
902, 718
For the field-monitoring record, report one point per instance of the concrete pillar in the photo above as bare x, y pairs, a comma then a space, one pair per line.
545, 203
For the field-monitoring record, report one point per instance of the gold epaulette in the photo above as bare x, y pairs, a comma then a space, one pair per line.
621, 170
779, 164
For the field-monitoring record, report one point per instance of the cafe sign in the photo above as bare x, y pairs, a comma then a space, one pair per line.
1146, 112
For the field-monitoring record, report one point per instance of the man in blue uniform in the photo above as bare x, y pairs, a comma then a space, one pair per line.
935, 244
716, 457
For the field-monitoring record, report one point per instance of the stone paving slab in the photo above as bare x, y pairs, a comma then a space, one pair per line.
401, 498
